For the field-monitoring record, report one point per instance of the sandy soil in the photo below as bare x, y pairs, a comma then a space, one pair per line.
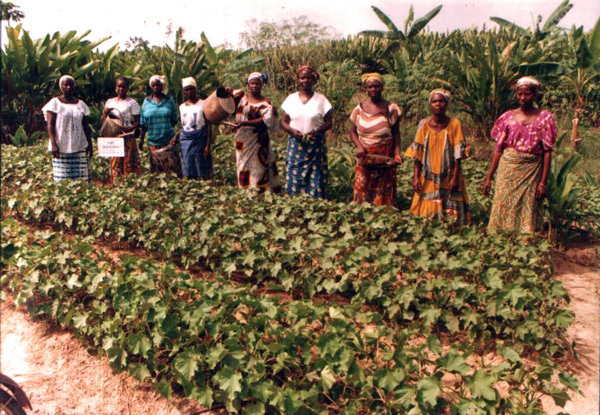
579, 271
63, 378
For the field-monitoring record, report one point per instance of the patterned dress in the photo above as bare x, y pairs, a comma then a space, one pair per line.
438, 152
307, 158
158, 118
193, 138
514, 206
130, 163
254, 158
72, 162
376, 185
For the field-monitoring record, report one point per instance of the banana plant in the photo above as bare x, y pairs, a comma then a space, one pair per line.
411, 27
563, 195
538, 33
581, 69
481, 72
31, 68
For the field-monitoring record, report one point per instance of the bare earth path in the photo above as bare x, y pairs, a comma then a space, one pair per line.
62, 378
583, 285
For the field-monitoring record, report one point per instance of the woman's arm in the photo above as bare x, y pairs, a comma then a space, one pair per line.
134, 125
360, 150
487, 186
285, 124
416, 180
396, 141
540, 192
88, 135
51, 125
142, 136
327, 124
104, 114
208, 127
455, 176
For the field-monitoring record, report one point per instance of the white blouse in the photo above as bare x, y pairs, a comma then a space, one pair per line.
127, 107
305, 117
192, 116
70, 136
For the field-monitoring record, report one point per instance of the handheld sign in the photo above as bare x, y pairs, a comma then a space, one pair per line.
111, 147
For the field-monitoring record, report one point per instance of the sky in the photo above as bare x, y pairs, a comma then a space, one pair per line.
223, 20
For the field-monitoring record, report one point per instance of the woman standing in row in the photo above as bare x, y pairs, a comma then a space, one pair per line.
195, 134
158, 116
375, 130
128, 112
70, 138
525, 138
438, 149
255, 115
307, 116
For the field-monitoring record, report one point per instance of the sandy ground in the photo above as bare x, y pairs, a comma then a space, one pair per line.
583, 285
63, 378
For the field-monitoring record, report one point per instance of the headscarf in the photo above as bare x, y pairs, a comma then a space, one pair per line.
529, 81
310, 69
366, 77
163, 81
63, 79
443, 92
257, 75
189, 81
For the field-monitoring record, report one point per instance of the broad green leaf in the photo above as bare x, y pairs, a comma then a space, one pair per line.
229, 381
480, 385
429, 390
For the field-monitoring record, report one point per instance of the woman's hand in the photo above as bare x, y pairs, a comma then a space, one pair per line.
207, 150
487, 187
297, 134
173, 140
398, 159
55, 151
361, 152
416, 184
453, 184
90, 150
540, 191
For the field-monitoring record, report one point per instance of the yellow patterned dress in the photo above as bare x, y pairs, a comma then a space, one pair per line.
438, 152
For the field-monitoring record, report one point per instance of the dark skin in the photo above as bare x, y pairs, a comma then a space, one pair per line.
191, 93
438, 121
525, 114
254, 97
68, 97
306, 81
122, 88
375, 105
156, 95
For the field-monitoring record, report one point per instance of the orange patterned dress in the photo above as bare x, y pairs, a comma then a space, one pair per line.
372, 184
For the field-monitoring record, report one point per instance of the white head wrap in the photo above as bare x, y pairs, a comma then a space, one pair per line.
163, 81
443, 92
63, 79
189, 81
256, 75
529, 81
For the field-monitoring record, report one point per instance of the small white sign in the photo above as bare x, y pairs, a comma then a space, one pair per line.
111, 147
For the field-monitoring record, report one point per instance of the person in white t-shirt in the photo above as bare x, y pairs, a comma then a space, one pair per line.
195, 134
70, 138
127, 110
307, 116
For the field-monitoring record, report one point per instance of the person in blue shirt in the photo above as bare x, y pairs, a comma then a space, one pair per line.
157, 118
